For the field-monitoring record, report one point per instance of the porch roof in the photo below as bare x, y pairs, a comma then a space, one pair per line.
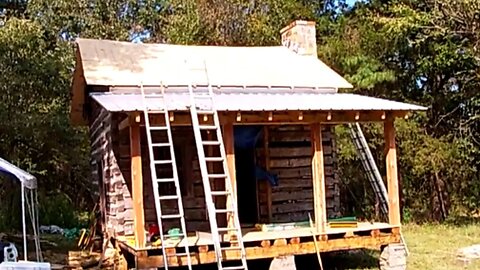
255, 101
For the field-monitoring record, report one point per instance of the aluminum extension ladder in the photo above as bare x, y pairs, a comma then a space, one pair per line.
207, 96
371, 169
158, 181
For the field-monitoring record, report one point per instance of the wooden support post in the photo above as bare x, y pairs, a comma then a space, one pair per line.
267, 167
137, 184
318, 177
228, 140
391, 168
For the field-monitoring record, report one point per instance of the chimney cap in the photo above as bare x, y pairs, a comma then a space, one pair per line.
295, 23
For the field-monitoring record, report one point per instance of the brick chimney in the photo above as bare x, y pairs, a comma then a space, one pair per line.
300, 37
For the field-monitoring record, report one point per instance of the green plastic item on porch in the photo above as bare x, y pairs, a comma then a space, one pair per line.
174, 233
343, 219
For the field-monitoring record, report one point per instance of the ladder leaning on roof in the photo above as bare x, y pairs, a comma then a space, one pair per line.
371, 169
217, 143
156, 163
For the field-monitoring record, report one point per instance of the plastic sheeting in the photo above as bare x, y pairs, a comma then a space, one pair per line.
29, 181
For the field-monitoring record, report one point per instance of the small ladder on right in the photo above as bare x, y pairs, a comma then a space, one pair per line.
371, 169
206, 96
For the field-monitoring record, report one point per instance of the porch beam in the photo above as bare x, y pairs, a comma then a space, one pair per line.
137, 184
318, 178
285, 117
394, 217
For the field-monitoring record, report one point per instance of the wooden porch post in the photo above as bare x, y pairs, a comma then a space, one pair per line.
391, 169
228, 140
318, 177
137, 184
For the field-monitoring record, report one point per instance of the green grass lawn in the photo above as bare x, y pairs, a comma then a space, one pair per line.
435, 246
431, 247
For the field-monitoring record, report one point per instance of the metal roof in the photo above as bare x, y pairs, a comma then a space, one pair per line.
114, 63
255, 101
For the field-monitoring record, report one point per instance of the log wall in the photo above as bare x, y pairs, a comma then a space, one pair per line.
289, 156
114, 196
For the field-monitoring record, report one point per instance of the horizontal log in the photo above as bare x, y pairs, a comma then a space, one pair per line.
292, 207
301, 195
291, 162
290, 152
290, 136
299, 182
293, 172
291, 217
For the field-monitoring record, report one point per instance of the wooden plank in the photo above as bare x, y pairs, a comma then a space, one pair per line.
293, 207
281, 249
392, 173
293, 172
288, 162
281, 152
298, 182
137, 185
228, 140
300, 195
318, 175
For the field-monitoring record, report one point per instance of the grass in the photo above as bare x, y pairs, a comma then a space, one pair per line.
430, 246
435, 246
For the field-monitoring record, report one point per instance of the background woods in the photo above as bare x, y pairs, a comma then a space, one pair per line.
420, 51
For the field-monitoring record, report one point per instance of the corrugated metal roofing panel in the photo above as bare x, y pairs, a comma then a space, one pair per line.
116, 63
271, 101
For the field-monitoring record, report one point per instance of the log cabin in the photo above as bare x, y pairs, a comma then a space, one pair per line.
276, 106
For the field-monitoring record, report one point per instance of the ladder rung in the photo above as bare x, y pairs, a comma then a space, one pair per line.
204, 127
202, 96
160, 144
162, 161
223, 211
159, 128
168, 197
226, 229
165, 180
217, 176
220, 193
171, 216
234, 267
213, 159
231, 248
205, 112
211, 143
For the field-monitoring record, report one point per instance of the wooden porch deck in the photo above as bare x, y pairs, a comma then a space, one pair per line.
259, 244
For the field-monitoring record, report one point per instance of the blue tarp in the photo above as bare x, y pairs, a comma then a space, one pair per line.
10, 170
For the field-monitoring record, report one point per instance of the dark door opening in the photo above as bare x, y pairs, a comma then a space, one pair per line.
246, 184
245, 142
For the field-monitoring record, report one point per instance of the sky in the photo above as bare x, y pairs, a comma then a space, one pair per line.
351, 2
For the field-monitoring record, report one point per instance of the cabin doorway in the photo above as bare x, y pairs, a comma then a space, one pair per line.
245, 143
